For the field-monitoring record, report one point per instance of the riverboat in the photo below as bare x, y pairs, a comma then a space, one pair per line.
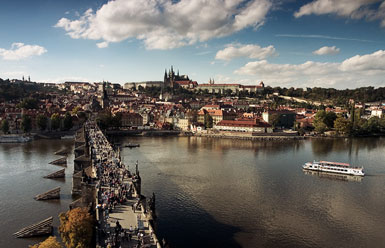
65, 137
132, 145
14, 139
334, 167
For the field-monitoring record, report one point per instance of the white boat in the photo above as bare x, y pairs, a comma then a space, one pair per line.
334, 167
14, 139
68, 137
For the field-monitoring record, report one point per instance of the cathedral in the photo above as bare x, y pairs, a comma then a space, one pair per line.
171, 79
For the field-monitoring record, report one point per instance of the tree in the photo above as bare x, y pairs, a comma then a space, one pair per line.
50, 242
28, 103
42, 122
67, 122
329, 119
55, 121
319, 127
324, 121
374, 125
274, 120
76, 228
116, 121
5, 126
382, 124
26, 124
208, 122
104, 120
343, 125
228, 92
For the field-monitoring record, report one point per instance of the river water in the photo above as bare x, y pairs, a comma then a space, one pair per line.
22, 168
220, 192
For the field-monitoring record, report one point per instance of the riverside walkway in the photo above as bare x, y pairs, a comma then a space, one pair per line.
124, 216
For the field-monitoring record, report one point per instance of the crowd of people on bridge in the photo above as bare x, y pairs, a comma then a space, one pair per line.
112, 186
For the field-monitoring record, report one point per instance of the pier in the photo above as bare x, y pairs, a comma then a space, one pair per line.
125, 218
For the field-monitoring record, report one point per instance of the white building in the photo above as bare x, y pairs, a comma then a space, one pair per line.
251, 126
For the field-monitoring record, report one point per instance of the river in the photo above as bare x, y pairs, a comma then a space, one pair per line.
221, 192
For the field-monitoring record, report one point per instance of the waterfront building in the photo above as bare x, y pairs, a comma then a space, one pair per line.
217, 115
379, 112
282, 118
183, 124
131, 119
244, 125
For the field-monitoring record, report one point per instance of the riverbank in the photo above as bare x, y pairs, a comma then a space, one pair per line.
249, 137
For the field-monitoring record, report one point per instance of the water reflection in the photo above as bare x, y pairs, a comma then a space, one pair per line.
267, 197
260, 146
333, 176
324, 147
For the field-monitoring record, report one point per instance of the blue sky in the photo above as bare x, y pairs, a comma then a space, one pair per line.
325, 43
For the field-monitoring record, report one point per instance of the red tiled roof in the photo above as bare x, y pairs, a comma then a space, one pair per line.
186, 82
211, 106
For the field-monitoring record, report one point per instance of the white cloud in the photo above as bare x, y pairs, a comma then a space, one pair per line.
12, 74
20, 51
251, 51
203, 53
352, 72
103, 44
67, 79
327, 50
355, 9
166, 24
367, 62
317, 36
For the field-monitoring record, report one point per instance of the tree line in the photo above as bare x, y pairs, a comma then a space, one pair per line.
57, 122
335, 96
354, 125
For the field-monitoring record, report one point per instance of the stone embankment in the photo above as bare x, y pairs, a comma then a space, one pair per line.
250, 137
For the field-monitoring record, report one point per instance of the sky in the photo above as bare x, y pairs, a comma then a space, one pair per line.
305, 43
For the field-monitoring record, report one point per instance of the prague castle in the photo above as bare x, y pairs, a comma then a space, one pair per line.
212, 87
174, 80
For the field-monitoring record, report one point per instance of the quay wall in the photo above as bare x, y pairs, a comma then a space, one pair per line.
249, 136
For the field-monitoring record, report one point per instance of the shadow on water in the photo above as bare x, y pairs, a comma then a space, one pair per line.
325, 146
188, 225
181, 221
259, 146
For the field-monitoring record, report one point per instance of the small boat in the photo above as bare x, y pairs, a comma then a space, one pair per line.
14, 139
68, 137
334, 167
132, 145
